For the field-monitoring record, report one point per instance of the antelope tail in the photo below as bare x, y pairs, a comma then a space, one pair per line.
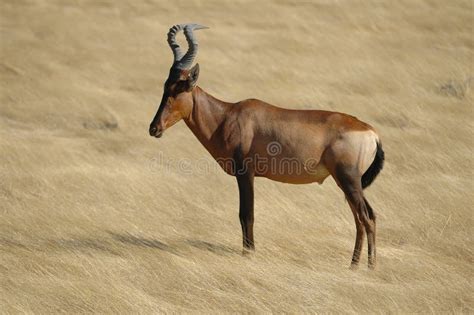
374, 168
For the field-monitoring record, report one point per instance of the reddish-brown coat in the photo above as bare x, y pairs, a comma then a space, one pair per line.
336, 144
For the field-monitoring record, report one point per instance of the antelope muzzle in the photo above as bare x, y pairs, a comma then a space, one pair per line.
155, 131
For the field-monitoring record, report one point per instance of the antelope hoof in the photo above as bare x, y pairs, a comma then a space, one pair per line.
354, 266
372, 265
248, 252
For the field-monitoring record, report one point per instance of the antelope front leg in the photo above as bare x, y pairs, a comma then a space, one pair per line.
246, 197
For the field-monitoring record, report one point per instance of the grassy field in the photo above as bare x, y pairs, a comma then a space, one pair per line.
97, 216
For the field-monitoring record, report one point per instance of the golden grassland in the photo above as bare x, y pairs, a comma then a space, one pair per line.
92, 220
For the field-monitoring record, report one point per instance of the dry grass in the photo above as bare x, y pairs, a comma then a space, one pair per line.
90, 223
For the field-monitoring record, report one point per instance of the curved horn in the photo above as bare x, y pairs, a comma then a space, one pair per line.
180, 61
172, 42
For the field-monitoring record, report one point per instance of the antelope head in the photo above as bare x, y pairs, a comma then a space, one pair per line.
177, 101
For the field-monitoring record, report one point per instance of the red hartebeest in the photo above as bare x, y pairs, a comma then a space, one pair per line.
316, 143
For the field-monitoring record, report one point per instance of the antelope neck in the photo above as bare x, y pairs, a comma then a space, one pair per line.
207, 115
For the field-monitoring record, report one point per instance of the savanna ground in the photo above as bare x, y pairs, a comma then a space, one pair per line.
97, 216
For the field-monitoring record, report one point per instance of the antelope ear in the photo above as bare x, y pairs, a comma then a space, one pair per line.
193, 76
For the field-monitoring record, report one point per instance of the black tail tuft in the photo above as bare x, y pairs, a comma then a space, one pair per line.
375, 168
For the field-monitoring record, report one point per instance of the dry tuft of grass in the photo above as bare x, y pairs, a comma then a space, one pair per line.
91, 222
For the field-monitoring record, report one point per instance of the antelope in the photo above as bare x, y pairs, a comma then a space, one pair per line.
317, 143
